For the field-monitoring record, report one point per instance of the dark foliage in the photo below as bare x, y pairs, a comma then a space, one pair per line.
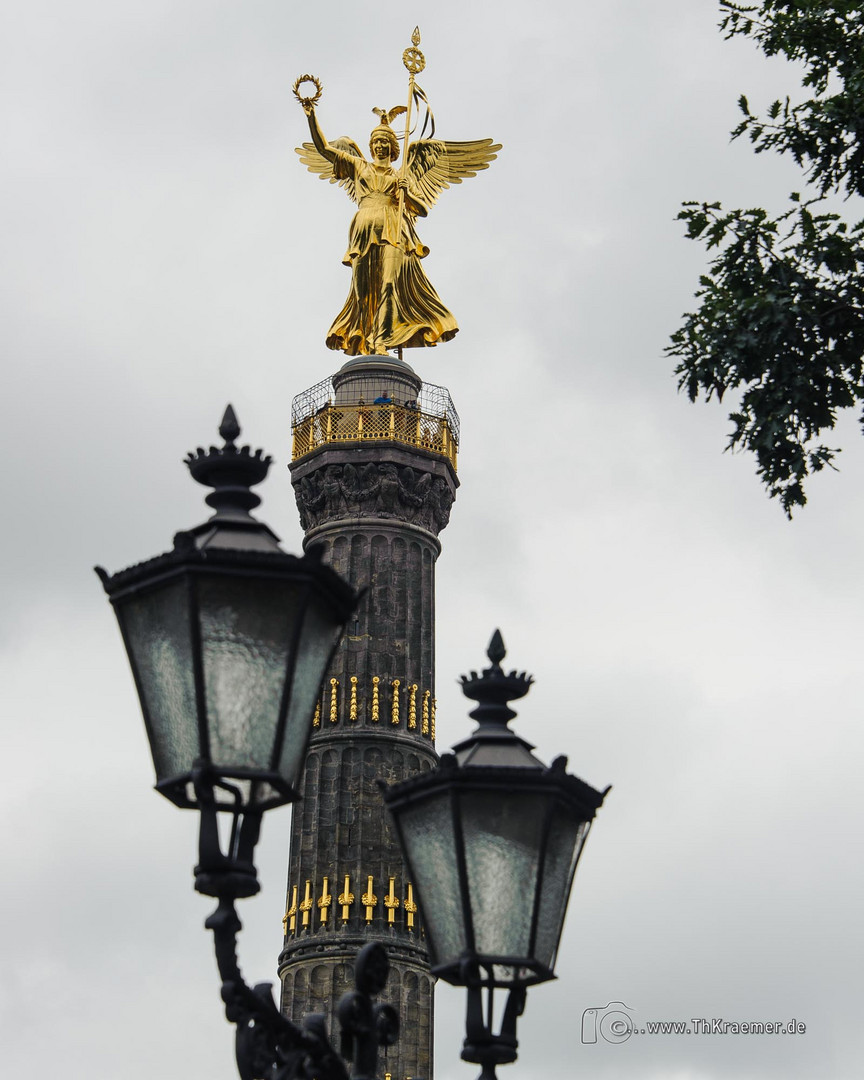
781, 309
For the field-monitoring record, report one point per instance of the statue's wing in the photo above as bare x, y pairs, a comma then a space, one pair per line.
434, 164
317, 163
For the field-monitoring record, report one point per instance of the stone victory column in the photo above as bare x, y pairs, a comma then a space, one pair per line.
374, 474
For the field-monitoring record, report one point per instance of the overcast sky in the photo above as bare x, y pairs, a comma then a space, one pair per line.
165, 252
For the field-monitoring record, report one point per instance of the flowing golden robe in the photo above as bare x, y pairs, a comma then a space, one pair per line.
391, 302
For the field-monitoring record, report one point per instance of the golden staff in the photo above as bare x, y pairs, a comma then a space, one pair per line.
414, 62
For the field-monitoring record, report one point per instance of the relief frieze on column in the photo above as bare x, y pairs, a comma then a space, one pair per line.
375, 490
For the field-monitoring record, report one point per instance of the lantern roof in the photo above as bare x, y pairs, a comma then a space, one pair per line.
231, 538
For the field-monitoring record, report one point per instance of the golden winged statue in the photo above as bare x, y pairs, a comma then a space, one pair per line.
392, 304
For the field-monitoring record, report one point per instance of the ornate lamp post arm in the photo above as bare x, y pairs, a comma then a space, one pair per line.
482, 1045
271, 1047
268, 1045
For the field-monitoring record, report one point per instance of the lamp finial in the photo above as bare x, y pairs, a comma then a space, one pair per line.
229, 429
496, 651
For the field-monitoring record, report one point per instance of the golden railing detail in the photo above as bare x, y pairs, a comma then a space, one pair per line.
394, 713
316, 719
412, 706
375, 708
360, 423
424, 730
432, 720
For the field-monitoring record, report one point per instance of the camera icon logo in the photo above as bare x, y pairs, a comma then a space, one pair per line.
613, 1023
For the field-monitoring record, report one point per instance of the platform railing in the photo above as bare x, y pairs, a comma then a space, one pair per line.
361, 422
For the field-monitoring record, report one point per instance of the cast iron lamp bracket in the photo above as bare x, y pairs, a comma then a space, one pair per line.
269, 1046
482, 1046
219, 874
365, 1025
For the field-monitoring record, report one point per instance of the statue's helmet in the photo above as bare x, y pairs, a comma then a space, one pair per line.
390, 135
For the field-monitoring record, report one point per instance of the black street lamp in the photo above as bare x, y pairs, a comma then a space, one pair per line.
228, 639
492, 838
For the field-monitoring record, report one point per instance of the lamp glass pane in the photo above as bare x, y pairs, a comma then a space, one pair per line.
247, 626
156, 628
315, 647
426, 829
503, 833
566, 839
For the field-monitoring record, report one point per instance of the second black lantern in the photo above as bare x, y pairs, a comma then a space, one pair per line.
492, 838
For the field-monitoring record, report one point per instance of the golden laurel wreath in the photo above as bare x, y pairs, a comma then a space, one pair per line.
307, 101
414, 60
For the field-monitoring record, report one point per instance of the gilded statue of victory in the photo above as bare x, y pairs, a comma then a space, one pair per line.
392, 304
